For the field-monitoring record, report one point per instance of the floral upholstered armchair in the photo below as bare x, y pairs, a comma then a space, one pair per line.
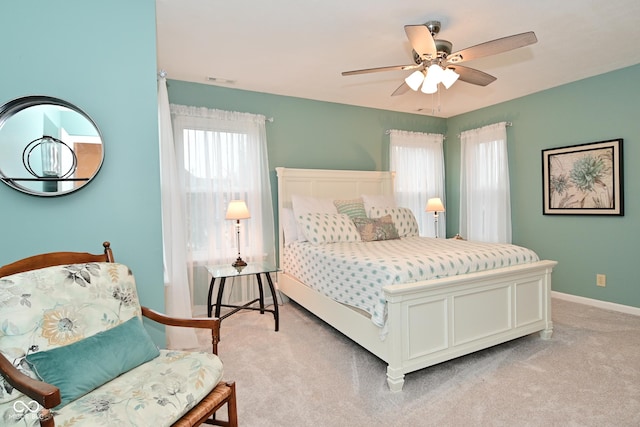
74, 351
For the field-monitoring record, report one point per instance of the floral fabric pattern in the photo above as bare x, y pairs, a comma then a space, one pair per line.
403, 219
373, 229
56, 306
155, 393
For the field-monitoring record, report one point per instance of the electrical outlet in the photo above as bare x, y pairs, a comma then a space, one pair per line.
601, 280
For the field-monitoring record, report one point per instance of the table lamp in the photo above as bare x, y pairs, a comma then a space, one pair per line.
435, 205
237, 210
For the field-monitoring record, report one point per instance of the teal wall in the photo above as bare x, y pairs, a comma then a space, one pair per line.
111, 75
100, 56
311, 134
600, 108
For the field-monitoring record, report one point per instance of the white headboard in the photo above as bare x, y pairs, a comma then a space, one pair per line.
336, 184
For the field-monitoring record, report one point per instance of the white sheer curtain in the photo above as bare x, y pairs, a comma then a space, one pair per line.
418, 161
177, 290
485, 204
223, 157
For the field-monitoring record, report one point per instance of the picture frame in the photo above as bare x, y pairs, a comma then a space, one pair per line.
584, 179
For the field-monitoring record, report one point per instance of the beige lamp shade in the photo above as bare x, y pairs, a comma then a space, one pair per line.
434, 205
237, 209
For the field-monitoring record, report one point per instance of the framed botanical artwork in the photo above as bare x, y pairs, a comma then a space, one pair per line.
583, 179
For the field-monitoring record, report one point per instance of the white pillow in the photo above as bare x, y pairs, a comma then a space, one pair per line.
309, 204
320, 228
377, 201
289, 226
403, 219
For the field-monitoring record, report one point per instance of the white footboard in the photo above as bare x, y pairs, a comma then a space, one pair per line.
442, 319
437, 320
430, 321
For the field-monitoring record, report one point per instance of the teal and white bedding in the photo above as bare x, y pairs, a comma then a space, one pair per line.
354, 273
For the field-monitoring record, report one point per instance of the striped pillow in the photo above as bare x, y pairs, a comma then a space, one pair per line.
353, 208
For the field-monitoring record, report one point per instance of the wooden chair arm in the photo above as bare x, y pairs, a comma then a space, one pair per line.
45, 394
204, 323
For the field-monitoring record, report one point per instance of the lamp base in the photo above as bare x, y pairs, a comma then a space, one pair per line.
239, 263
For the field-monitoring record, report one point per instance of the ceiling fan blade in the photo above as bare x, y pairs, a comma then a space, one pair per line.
375, 70
473, 76
421, 41
493, 47
403, 88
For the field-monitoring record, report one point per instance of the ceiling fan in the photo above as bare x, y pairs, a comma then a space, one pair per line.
434, 63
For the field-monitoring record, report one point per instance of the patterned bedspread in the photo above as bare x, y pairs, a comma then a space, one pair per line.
354, 273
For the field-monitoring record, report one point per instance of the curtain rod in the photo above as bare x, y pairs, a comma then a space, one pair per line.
507, 124
388, 131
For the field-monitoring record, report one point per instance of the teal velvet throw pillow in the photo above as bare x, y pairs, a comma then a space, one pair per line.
85, 365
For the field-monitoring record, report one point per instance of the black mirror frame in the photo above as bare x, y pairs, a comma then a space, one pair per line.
8, 110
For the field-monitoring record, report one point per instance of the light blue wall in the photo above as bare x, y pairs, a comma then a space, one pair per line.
311, 134
110, 73
595, 109
100, 56
314, 134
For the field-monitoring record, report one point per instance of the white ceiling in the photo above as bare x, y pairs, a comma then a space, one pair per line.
299, 47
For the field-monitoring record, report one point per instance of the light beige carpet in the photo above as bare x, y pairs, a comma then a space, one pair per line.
308, 374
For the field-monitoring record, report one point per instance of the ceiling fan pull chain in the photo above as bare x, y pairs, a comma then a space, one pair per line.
435, 102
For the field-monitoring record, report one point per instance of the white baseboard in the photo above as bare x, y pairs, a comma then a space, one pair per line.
597, 303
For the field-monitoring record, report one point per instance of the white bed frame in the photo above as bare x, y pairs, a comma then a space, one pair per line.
430, 321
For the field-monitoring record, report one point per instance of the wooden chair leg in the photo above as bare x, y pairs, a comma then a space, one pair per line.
232, 410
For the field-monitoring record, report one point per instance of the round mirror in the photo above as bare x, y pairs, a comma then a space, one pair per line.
48, 147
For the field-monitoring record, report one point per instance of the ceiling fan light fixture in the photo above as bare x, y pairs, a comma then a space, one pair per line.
435, 73
449, 77
415, 79
429, 86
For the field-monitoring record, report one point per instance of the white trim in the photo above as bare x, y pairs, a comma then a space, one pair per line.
597, 303
518, 297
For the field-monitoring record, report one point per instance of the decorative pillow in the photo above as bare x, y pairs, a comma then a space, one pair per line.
403, 219
289, 226
308, 204
377, 200
372, 229
353, 208
85, 365
321, 228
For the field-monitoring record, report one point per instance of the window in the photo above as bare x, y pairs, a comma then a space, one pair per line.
418, 161
213, 164
224, 157
485, 207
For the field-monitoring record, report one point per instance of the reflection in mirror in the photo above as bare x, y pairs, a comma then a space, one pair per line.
48, 147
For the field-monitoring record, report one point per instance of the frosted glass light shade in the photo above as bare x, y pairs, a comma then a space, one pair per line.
429, 86
415, 80
237, 209
434, 76
449, 77
434, 73
434, 205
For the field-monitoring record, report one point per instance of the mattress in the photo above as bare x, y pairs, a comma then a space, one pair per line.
354, 273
